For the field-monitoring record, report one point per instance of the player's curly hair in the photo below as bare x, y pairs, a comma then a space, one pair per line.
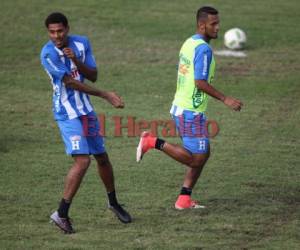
56, 17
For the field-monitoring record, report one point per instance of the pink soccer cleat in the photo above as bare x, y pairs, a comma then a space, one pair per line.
147, 141
185, 202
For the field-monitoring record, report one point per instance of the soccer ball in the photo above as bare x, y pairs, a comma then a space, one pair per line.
235, 38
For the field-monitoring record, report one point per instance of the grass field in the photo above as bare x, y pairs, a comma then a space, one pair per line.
251, 183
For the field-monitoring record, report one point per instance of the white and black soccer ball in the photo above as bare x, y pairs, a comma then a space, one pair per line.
235, 38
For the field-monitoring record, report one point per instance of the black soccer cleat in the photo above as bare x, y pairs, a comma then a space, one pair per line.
63, 223
121, 213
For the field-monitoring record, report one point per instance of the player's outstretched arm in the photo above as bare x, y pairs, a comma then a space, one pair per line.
89, 73
109, 96
231, 102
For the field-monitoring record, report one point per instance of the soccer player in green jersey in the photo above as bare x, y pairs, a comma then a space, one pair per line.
194, 84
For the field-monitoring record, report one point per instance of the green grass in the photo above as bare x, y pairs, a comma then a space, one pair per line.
251, 182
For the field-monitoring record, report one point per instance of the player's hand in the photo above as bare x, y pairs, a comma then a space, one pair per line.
69, 53
233, 103
114, 100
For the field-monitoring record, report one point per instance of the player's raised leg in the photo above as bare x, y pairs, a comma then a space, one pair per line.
177, 152
148, 141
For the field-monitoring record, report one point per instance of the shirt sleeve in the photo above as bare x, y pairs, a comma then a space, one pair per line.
89, 57
202, 60
53, 65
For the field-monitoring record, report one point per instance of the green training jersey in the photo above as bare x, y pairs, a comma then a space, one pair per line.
187, 95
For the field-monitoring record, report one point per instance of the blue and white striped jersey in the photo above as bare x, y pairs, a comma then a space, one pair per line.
68, 103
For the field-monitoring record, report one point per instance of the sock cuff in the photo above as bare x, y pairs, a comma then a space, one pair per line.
186, 191
159, 144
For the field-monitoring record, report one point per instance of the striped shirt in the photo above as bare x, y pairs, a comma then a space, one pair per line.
67, 102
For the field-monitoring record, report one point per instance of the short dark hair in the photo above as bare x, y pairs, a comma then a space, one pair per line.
56, 17
204, 11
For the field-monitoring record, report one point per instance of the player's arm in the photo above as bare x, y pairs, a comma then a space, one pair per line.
109, 96
229, 101
202, 60
88, 72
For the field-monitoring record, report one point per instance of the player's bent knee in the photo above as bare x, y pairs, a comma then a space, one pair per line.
102, 160
195, 164
83, 162
198, 162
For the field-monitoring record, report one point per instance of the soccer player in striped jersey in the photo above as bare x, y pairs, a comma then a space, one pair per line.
194, 85
68, 60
